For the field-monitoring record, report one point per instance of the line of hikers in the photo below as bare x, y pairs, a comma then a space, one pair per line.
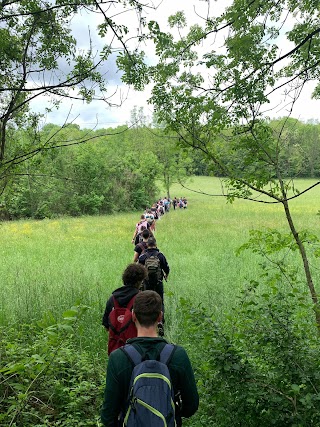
150, 216
149, 381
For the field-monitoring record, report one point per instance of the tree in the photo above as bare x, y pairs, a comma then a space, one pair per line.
173, 164
41, 57
170, 164
206, 94
310, 137
104, 175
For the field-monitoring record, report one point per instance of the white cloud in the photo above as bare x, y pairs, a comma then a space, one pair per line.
99, 114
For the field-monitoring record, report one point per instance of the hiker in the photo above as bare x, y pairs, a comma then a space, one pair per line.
174, 203
155, 213
141, 247
117, 314
158, 269
138, 237
185, 202
151, 220
142, 223
148, 347
166, 203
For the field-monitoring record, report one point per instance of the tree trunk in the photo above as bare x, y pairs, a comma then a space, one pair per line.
305, 261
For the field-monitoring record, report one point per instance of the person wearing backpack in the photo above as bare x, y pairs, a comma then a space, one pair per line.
158, 269
174, 203
142, 223
138, 237
117, 317
141, 247
148, 361
150, 219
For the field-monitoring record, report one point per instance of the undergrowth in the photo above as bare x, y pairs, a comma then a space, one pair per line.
260, 366
44, 379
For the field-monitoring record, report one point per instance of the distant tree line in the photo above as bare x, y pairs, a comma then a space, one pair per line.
86, 172
299, 151
111, 170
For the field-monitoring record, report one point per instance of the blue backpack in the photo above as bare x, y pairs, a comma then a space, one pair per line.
151, 397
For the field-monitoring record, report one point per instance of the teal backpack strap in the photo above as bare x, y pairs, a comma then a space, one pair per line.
136, 358
167, 353
132, 354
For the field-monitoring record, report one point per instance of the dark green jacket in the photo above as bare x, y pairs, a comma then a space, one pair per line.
119, 373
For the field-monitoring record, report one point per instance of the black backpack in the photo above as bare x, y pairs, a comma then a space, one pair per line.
152, 264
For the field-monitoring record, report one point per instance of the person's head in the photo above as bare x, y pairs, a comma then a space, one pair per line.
134, 275
142, 217
152, 243
147, 308
145, 234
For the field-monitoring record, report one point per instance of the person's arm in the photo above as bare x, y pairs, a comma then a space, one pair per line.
137, 253
112, 396
185, 382
117, 386
164, 266
135, 233
135, 257
141, 259
107, 311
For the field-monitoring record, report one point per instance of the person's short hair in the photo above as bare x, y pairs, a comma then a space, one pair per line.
145, 233
142, 216
134, 274
151, 242
147, 307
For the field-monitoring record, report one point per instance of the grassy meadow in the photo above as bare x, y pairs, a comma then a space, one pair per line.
49, 265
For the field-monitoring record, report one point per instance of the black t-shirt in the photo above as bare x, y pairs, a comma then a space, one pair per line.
140, 247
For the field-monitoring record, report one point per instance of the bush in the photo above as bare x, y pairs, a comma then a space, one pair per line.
45, 380
260, 366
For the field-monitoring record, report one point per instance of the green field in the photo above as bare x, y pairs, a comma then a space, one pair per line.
51, 264
53, 365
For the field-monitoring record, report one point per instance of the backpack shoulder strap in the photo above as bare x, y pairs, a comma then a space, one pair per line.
115, 302
136, 358
132, 353
150, 254
130, 303
141, 246
167, 353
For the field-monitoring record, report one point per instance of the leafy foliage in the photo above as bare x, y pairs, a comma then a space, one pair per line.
212, 94
45, 379
105, 176
261, 364
42, 57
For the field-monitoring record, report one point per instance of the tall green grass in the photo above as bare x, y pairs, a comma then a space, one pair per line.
51, 264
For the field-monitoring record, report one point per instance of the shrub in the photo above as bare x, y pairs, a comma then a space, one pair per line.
260, 365
45, 380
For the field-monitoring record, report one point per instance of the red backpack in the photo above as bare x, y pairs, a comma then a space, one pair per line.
121, 325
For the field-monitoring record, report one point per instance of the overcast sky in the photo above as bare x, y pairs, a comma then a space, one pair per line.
99, 115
